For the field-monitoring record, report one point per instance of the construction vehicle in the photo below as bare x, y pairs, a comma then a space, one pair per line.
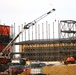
7, 59
69, 60
36, 68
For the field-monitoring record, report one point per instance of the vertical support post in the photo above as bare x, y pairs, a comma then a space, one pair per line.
32, 32
29, 34
36, 32
19, 36
53, 30
22, 33
59, 39
42, 31
14, 36
46, 30
25, 31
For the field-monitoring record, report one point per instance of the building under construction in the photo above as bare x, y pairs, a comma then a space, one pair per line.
51, 49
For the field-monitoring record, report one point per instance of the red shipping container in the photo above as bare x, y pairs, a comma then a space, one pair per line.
3, 46
4, 30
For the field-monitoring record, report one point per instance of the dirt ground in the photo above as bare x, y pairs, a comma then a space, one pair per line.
60, 70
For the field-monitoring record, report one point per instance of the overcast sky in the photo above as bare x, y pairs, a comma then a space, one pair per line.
20, 11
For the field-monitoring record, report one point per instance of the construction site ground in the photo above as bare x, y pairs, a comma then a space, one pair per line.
58, 69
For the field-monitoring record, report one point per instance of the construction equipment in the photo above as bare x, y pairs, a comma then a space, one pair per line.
27, 26
69, 60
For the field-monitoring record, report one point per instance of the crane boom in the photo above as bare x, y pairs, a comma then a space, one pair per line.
25, 27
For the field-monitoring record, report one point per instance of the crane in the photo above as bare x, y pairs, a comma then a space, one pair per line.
27, 26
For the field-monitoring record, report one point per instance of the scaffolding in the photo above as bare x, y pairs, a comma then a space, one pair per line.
44, 48
67, 30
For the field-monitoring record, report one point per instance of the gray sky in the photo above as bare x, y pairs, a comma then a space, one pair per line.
20, 11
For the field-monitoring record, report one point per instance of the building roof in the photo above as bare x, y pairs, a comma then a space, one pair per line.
47, 41
68, 21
